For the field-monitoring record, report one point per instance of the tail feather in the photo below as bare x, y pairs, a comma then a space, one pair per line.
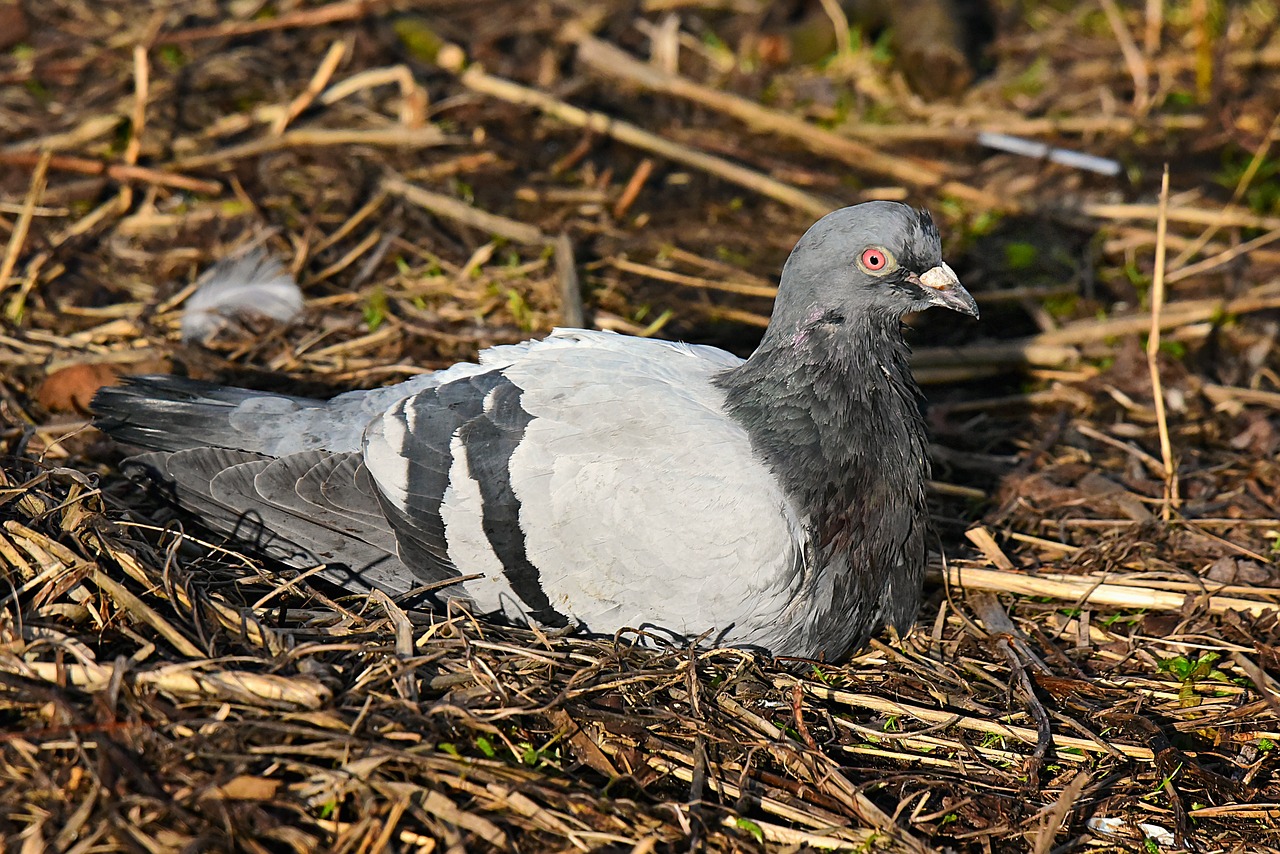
166, 413
279, 474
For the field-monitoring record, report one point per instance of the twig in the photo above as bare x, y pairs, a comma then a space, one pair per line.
632, 190
1012, 645
840, 23
413, 97
475, 79
766, 291
115, 171
459, 211
1062, 807
331, 14
570, 288
140, 610
389, 137
1058, 347
19, 236
614, 62
1153, 353
1019, 125
319, 80
141, 90
84, 133
1224, 257
184, 680
1219, 394
1084, 589
982, 538
1155, 23
972, 724
1198, 216
404, 642
797, 712
824, 773
1132, 56
792, 839
1255, 163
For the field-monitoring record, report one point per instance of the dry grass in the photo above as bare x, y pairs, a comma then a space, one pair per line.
1099, 671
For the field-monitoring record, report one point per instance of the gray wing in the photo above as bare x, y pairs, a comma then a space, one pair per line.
447, 447
595, 479
279, 474
277, 507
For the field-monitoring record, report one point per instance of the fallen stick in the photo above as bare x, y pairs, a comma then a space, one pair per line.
390, 137
87, 131
650, 272
1153, 347
116, 171
1228, 217
331, 14
184, 680
614, 62
126, 599
460, 211
1179, 314
1092, 590
19, 235
318, 82
1017, 125
1219, 394
1058, 347
571, 312
1225, 257
1019, 352
926, 715
477, 80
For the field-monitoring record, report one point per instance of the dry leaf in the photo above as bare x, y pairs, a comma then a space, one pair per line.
73, 387
245, 788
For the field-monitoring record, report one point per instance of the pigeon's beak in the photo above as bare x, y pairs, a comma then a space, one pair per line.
945, 290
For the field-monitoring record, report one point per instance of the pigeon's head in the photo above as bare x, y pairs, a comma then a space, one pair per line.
877, 259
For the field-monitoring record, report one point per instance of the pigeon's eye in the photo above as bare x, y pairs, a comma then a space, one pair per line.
875, 259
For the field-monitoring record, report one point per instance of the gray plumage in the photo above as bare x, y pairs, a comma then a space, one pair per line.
250, 284
606, 481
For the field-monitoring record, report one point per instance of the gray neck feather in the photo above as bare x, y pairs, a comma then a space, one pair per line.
831, 406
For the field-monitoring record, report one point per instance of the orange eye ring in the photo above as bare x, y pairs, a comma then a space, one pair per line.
874, 259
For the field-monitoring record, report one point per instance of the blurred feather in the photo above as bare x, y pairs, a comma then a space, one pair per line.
251, 284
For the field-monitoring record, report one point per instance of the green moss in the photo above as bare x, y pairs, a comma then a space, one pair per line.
172, 57
1032, 81
750, 827
1020, 256
375, 309
417, 38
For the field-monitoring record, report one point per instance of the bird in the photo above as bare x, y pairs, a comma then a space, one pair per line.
594, 482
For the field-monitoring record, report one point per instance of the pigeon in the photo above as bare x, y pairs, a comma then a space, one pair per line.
591, 481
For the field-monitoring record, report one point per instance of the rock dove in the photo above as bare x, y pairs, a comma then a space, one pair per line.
602, 481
